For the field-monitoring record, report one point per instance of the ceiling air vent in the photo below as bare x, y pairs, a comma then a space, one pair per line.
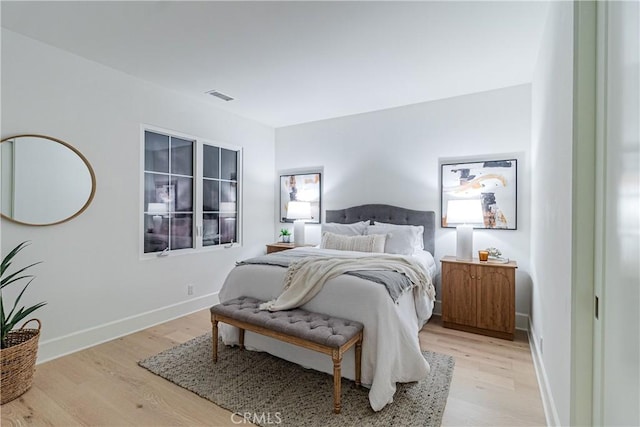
220, 95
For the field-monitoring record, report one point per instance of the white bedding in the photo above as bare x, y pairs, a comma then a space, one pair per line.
391, 351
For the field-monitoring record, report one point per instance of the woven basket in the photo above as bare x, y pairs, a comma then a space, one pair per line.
18, 361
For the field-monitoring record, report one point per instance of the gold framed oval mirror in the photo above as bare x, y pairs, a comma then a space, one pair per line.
45, 181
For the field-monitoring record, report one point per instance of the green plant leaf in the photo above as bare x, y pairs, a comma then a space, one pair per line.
6, 261
11, 278
15, 304
2, 322
20, 316
9, 320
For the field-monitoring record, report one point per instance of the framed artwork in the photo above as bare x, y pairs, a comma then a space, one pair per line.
301, 188
166, 194
493, 182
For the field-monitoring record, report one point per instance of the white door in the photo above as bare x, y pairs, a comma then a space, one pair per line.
617, 327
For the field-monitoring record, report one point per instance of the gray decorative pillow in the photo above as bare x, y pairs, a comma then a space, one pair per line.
355, 229
373, 243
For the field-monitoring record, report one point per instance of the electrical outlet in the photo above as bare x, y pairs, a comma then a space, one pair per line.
189, 289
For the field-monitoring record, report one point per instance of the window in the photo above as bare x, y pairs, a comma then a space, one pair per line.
191, 193
220, 195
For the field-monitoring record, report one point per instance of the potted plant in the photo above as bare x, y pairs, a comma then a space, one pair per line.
19, 347
285, 234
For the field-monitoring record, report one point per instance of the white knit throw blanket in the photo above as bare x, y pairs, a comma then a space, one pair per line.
305, 278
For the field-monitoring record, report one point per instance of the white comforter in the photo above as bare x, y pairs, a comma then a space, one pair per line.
390, 351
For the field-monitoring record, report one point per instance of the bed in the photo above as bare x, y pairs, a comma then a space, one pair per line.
391, 351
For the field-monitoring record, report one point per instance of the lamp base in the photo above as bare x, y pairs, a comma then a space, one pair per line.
157, 224
298, 232
464, 242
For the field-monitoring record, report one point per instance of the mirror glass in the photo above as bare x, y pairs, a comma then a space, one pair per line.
45, 181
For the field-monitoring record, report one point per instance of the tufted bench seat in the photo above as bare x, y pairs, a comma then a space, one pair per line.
319, 332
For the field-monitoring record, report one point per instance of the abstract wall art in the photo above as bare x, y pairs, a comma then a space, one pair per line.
493, 182
301, 188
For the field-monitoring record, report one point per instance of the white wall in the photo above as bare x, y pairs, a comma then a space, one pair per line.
551, 197
391, 156
93, 278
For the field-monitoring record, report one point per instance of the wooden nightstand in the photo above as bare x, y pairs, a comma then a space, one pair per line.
279, 246
479, 296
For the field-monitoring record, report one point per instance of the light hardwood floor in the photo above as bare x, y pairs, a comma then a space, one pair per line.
494, 383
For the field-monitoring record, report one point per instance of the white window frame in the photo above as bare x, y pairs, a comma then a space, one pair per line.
197, 230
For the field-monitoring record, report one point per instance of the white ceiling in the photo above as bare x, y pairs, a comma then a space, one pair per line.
294, 62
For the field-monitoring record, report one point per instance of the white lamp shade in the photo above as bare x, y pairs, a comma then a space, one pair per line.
227, 206
299, 210
157, 208
464, 212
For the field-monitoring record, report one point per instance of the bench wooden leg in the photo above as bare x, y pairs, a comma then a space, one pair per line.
358, 360
241, 338
214, 334
337, 381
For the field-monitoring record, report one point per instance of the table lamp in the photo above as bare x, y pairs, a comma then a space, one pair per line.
465, 213
299, 212
157, 210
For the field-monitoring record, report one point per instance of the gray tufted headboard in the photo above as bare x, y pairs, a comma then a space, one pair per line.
390, 214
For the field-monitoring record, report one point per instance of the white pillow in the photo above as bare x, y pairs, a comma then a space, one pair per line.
419, 229
355, 229
373, 243
400, 240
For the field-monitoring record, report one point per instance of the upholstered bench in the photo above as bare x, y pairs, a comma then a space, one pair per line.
319, 332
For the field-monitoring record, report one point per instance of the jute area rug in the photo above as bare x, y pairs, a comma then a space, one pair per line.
267, 390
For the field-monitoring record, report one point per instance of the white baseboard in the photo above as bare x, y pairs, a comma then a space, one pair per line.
522, 320
76, 341
550, 410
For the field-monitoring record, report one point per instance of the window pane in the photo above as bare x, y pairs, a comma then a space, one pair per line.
229, 164
210, 235
181, 235
184, 194
156, 152
156, 236
227, 228
155, 186
181, 157
228, 200
210, 161
210, 195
